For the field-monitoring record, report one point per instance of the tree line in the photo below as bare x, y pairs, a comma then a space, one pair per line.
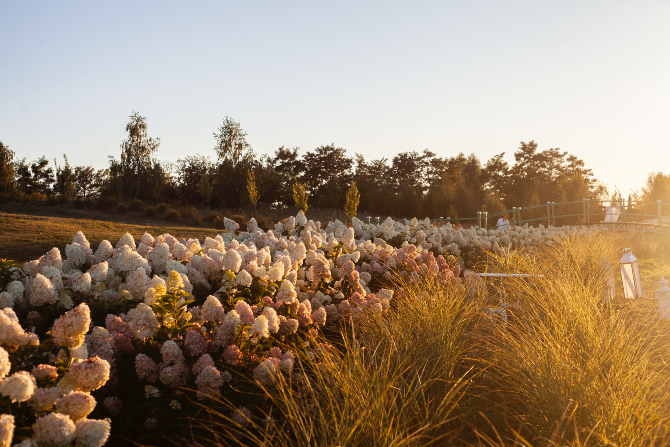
407, 185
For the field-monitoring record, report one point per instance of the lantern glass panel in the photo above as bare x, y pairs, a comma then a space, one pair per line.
628, 277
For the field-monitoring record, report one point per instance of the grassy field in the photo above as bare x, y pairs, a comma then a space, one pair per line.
26, 237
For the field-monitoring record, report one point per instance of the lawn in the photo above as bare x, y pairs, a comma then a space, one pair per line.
26, 237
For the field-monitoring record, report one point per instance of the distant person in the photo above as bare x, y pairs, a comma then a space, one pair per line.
502, 223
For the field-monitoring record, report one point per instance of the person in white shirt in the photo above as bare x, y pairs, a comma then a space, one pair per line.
502, 223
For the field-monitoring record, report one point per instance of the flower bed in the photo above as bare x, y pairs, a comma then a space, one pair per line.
133, 326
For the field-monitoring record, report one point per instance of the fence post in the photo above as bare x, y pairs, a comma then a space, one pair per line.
553, 213
513, 215
660, 212
584, 209
518, 215
369, 220
588, 210
448, 220
479, 219
548, 213
377, 220
486, 219
622, 202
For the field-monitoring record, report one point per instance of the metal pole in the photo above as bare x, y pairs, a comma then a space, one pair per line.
369, 220
479, 219
584, 208
588, 210
486, 219
378, 221
448, 220
623, 209
518, 215
513, 215
660, 212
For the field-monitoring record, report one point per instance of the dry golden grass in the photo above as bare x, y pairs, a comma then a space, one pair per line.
565, 370
572, 369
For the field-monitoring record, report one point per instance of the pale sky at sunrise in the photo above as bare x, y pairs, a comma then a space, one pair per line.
378, 78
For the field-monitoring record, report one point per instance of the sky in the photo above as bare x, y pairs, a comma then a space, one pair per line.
376, 78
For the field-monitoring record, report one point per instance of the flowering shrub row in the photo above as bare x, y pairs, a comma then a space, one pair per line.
139, 324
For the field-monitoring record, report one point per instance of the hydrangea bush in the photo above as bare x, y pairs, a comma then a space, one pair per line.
135, 327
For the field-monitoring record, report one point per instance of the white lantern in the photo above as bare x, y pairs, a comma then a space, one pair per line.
630, 276
663, 297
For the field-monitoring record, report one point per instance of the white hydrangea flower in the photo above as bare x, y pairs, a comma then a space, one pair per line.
259, 327
244, 279
92, 432
19, 387
53, 429
6, 300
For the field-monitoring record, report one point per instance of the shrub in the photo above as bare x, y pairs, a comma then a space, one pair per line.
264, 224
218, 222
189, 212
213, 217
171, 215
103, 203
196, 220
122, 208
79, 204
137, 205
241, 221
51, 200
162, 208
149, 211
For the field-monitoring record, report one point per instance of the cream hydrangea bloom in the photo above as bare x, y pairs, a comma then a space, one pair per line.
232, 261
142, 321
259, 327
42, 291
15, 289
76, 404
209, 381
90, 374
92, 432
19, 387
212, 310
6, 300
286, 292
244, 279
69, 330
44, 398
54, 429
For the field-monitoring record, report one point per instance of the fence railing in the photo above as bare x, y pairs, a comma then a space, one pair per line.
585, 211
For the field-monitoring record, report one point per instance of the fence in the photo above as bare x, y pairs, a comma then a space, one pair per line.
585, 211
